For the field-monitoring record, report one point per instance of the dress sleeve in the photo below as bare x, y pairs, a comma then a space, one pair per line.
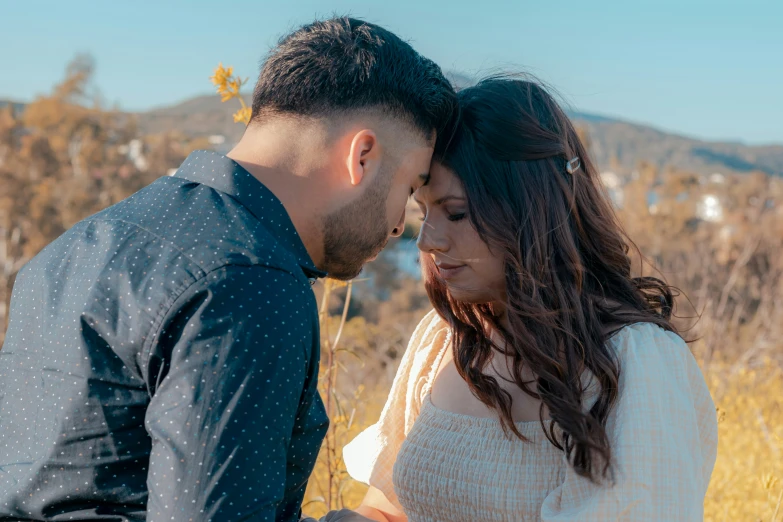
663, 433
370, 457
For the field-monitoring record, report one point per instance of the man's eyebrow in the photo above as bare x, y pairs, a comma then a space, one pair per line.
425, 178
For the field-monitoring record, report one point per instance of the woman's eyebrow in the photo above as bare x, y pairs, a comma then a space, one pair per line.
442, 200
449, 197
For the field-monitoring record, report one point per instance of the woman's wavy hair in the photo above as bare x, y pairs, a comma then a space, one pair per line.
568, 277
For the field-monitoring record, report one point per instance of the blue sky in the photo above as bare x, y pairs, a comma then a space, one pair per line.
710, 69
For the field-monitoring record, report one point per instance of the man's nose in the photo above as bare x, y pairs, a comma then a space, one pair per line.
400, 228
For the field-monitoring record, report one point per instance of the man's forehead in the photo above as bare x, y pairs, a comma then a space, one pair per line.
421, 149
418, 158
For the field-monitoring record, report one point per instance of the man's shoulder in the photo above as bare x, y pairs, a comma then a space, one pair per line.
202, 226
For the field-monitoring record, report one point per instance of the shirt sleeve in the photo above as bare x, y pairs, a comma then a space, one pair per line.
370, 457
663, 435
227, 374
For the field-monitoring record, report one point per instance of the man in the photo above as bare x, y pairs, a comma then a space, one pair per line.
162, 356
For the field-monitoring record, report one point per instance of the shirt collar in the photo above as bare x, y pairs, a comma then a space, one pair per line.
224, 174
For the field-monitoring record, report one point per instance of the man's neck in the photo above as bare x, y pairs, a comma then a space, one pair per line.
267, 154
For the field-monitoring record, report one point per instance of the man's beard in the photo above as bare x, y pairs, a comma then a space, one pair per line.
357, 232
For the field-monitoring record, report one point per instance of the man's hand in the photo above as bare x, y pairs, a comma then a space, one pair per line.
344, 515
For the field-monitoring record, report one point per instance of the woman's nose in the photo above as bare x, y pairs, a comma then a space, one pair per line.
431, 239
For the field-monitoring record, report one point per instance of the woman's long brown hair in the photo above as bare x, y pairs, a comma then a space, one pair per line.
568, 277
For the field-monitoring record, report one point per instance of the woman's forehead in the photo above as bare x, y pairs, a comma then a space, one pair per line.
442, 182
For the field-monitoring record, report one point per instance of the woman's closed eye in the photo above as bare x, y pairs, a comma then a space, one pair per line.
451, 217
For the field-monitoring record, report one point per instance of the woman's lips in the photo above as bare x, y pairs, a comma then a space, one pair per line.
450, 271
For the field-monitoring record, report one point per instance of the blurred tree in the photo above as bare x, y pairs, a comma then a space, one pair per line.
64, 158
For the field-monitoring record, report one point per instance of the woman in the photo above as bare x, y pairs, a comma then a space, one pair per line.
548, 384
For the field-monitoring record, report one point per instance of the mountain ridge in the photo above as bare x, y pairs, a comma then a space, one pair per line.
616, 144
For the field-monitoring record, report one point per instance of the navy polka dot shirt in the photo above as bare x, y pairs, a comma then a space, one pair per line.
162, 358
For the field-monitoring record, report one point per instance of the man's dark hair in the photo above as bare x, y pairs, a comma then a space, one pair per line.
345, 64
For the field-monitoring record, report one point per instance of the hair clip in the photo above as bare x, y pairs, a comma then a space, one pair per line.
573, 165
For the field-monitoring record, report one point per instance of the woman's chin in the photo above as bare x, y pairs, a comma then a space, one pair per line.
469, 295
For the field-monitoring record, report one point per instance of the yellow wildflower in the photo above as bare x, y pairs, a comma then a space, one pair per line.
242, 115
221, 76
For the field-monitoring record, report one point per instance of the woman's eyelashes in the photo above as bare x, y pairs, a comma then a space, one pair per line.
451, 217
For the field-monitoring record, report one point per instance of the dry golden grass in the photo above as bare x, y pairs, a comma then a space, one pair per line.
746, 483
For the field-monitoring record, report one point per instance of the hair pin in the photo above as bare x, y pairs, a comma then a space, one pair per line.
573, 164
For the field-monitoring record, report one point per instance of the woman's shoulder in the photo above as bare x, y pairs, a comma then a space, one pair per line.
420, 362
648, 350
430, 329
645, 336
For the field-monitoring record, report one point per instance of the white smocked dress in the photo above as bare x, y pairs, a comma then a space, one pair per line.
439, 466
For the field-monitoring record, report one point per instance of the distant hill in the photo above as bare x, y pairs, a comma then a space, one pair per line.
198, 116
614, 142
629, 143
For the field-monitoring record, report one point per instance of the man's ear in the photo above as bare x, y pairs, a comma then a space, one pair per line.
364, 156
